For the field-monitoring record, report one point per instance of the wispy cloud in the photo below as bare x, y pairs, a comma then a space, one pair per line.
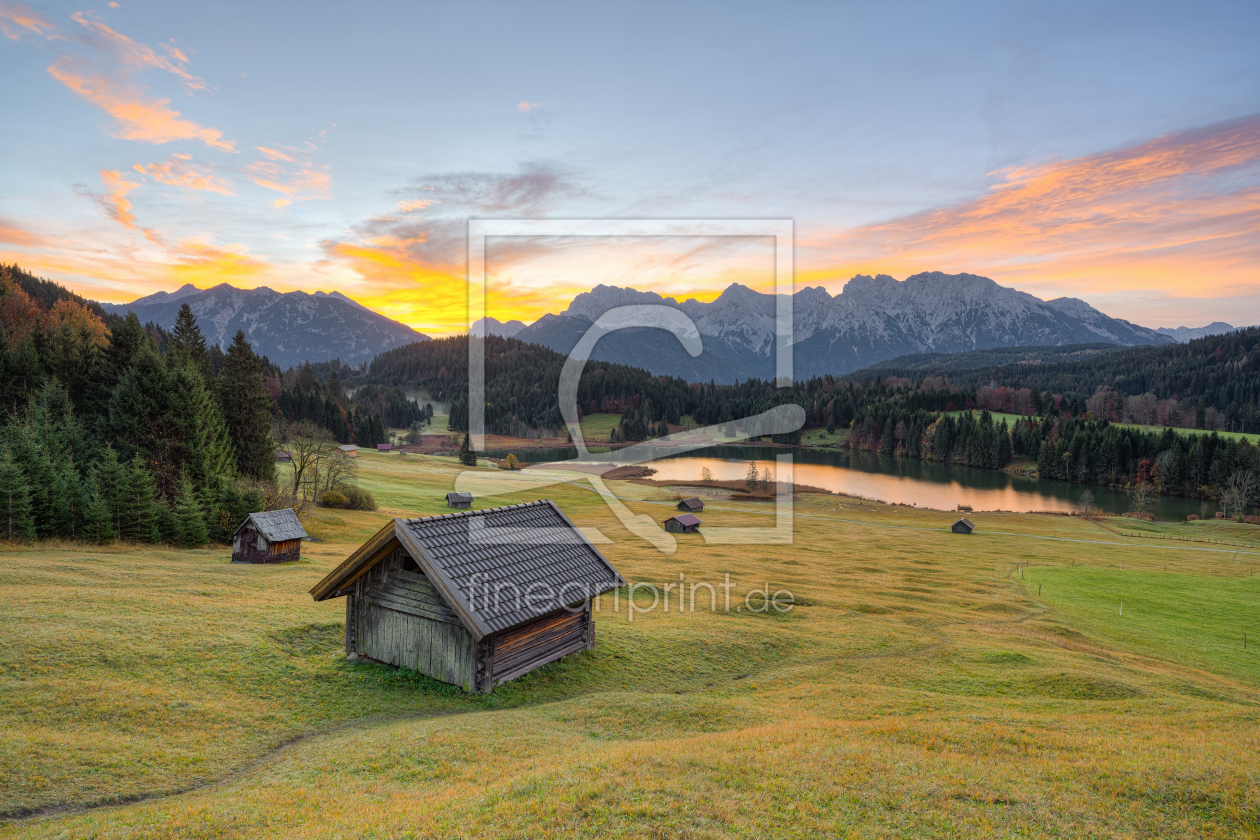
14, 17
292, 172
114, 202
178, 172
100, 64
525, 107
11, 233
1177, 213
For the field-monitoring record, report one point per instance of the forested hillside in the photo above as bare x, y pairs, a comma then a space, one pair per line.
522, 383
106, 437
1219, 372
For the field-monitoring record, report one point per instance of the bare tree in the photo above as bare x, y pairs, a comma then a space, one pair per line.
1238, 492
310, 446
1087, 503
1141, 496
706, 475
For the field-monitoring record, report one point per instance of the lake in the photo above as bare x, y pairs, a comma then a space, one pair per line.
904, 480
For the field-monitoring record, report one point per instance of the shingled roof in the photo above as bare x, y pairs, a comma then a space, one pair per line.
497, 568
276, 525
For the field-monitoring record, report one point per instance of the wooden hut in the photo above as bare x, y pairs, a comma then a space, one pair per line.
684, 523
274, 536
384, 447
349, 450
475, 598
692, 505
283, 457
963, 526
459, 500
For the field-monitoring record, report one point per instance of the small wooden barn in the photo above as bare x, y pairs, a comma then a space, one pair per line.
384, 447
692, 505
684, 523
273, 536
475, 598
349, 450
283, 457
459, 500
963, 526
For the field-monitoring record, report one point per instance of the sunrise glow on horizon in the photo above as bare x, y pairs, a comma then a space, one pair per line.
167, 147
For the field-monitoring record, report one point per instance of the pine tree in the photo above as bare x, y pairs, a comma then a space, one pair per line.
247, 410
751, 479
190, 524
831, 417
206, 447
467, 456
187, 343
111, 480
16, 522
68, 502
97, 523
140, 506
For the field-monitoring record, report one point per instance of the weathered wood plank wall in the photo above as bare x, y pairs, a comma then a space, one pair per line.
400, 618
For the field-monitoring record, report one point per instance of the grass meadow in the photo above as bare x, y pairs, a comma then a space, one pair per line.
926, 684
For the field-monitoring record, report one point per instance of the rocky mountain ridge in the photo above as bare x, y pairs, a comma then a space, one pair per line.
871, 320
289, 328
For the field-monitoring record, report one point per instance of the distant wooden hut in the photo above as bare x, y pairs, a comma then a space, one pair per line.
963, 526
684, 523
349, 450
692, 505
383, 447
474, 598
274, 536
459, 500
283, 457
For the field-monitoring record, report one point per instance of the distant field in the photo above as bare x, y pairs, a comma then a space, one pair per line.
1011, 418
1254, 438
997, 416
598, 427
1202, 529
920, 688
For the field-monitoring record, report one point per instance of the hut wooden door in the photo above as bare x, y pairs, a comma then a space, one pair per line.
248, 537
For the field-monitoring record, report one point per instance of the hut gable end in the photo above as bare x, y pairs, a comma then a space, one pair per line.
474, 598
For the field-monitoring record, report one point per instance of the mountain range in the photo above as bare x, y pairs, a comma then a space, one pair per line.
872, 319
289, 328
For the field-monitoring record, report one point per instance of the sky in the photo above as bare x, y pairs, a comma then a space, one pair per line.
1107, 151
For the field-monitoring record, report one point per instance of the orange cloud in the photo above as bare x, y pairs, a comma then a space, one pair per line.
304, 180
17, 16
12, 234
273, 154
105, 80
528, 106
1178, 213
138, 118
176, 172
418, 204
115, 203
138, 55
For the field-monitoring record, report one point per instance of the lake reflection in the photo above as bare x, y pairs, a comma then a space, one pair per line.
904, 480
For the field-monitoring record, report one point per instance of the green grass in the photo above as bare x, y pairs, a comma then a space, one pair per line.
1214, 529
920, 689
1011, 418
1182, 617
1253, 438
598, 427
